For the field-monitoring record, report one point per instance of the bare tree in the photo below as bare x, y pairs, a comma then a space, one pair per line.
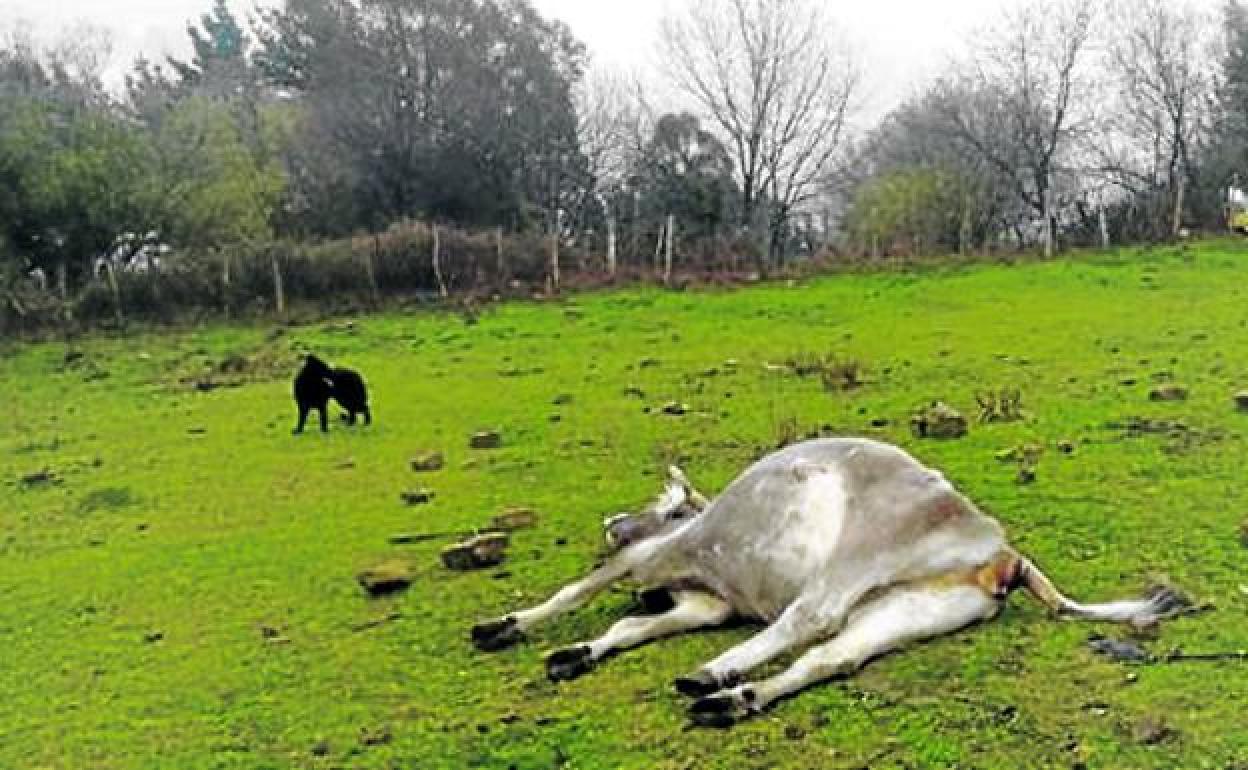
611, 115
1031, 89
1165, 77
770, 77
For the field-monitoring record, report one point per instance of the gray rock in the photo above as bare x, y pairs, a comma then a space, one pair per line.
386, 578
939, 421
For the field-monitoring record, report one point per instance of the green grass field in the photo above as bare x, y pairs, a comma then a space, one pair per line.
182, 593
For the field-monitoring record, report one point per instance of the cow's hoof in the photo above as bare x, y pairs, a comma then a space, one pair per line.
721, 711
1167, 602
571, 663
1163, 603
698, 684
495, 635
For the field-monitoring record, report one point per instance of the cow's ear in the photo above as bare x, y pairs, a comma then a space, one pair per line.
678, 478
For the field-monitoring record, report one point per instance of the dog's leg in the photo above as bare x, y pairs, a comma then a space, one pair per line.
303, 418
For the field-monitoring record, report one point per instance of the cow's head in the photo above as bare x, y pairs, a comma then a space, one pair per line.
678, 503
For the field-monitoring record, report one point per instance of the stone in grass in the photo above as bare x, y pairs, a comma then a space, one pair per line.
386, 578
417, 497
1152, 730
939, 421
513, 519
44, 476
375, 736
1241, 401
486, 439
675, 409
1169, 392
428, 462
479, 552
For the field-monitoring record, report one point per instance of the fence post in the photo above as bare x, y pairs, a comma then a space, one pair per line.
112, 285
658, 246
554, 252
667, 253
225, 282
502, 264
279, 293
437, 263
611, 257
370, 269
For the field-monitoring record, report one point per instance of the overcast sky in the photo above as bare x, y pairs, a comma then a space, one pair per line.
900, 41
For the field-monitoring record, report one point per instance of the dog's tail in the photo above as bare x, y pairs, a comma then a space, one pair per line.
1160, 603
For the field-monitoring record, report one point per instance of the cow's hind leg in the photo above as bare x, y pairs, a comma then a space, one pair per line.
899, 617
692, 609
797, 626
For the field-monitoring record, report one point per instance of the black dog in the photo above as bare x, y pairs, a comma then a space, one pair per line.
351, 394
313, 387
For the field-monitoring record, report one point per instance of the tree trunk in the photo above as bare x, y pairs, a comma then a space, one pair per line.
118, 311
964, 232
611, 256
1179, 194
437, 264
1048, 224
1103, 223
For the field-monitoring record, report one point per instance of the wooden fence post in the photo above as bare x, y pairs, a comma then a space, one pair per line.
279, 292
554, 252
370, 268
667, 253
658, 246
225, 282
437, 263
611, 257
502, 264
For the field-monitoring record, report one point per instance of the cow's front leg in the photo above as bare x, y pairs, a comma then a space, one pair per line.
693, 609
900, 617
497, 634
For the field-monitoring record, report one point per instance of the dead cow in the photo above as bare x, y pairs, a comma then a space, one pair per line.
847, 546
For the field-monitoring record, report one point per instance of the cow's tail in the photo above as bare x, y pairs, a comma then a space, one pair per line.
1160, 603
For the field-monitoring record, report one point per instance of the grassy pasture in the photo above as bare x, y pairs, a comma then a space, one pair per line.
181, 593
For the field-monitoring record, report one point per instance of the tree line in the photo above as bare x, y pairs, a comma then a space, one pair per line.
1067, 122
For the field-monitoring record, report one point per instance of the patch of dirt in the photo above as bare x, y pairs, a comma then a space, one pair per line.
106, 499
1181, 438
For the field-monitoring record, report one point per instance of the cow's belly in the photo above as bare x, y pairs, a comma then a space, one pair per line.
771, 540
831, 516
